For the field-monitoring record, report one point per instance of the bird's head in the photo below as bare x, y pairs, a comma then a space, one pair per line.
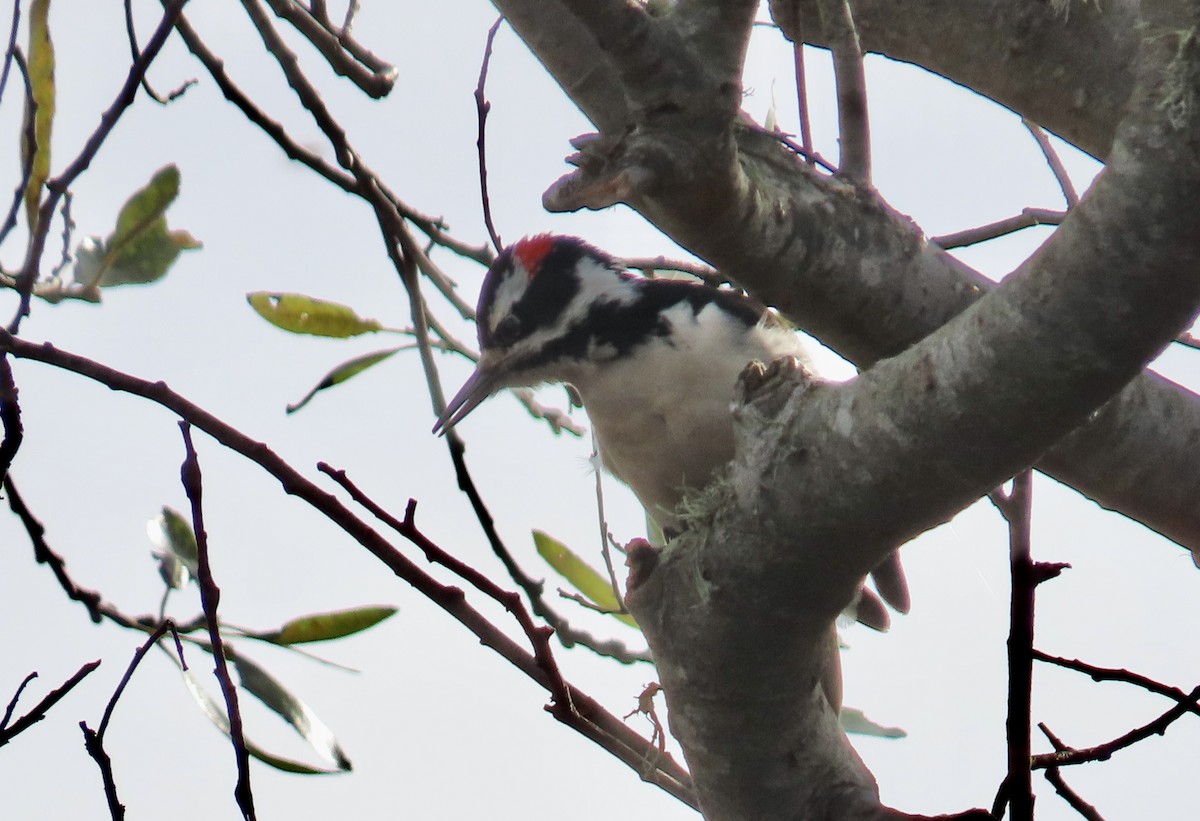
534, 307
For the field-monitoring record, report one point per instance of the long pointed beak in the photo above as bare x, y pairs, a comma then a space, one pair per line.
479, 386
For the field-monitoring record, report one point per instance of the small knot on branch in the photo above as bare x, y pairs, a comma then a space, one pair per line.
641, 558
607, 173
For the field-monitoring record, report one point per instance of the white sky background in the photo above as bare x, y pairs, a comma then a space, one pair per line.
437, 726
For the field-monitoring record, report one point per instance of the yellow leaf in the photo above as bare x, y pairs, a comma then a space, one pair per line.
41, 81
580, 574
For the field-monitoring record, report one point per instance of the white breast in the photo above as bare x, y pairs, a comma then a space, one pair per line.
662, 415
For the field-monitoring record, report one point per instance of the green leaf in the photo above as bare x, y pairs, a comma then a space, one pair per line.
178, 557
855, 721
302, 314
41, 80
346, 370
141, 249
267, 689
580, 574
326, 626
216, 714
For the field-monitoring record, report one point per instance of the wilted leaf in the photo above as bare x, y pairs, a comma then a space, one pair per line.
302, 314
326, 626
216, 714
346, 370
580, 574
267, 689
141, 249
177, 554
41, 79
855, 721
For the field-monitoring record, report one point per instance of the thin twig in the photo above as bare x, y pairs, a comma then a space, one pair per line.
1119, 674
376, 81
44, 555
1028, 218
1060, 785
12, 703
810, 156
602, 523
138, 655
308, 96
93, 740
68, 228
210, 598
1103, 752
135, 52
28, 137
58, 185
8, 732
95, 748
12, 47
589, 718
1073, 798
1054, 161
482, 107
650, 265
342, 32
806, 141
854, 125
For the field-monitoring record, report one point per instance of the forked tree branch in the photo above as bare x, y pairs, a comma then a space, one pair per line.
861, 278
971, 404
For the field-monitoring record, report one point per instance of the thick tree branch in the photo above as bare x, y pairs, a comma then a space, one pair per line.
862, 279
720, 30
823, 486
1068, 72
572, 56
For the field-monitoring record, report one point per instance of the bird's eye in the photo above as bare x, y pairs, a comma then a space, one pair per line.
507, 332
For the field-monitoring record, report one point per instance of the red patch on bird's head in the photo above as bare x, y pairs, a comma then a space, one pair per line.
531, 251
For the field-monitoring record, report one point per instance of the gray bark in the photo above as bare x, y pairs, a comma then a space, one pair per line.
837, 260
980, 383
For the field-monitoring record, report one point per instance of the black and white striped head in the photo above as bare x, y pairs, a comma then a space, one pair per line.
537, 315
553, 307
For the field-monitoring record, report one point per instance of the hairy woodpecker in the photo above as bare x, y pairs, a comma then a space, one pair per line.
655, 362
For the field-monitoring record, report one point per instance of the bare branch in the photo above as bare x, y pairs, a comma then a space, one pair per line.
135, 52
1060, 786
510, 601
1054, 161
1103, 752
11, 51
854, 126
1028, 218
806, 141
210, 597
375, 78
1122, 675
1060, 62
39, 710
59, 184
1073, 798
482, 107
588, 718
